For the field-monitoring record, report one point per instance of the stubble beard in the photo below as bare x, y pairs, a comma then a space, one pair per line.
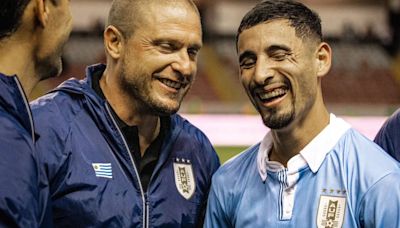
278, 121
275, 120
141, 92
49, 67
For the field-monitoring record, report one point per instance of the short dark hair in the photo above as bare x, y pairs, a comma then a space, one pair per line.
306, 22
11, 12
125, 14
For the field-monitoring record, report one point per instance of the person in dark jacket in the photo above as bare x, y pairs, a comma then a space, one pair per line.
388, 135
113, 151
32, 34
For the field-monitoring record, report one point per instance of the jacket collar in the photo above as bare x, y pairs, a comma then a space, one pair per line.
313, 154
100, 111
83, 86
14, 101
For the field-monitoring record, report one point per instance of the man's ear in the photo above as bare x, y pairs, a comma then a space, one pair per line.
324, 59
113, 41
42, 11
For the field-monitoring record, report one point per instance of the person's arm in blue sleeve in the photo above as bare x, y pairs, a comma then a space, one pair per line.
380, 206
216, 216
19, 184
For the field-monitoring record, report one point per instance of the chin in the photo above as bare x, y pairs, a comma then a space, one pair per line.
277, 120
169, 105
49, 69
166, 111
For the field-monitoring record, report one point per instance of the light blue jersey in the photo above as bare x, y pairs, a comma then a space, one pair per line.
340, 179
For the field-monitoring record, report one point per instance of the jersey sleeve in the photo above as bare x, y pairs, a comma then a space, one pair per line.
381, 204
213, 164
216, 216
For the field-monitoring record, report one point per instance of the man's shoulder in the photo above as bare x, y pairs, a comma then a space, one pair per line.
189, 134
57, 105
394, 118
188, 129
359, 154
388, 137
239, 164
353, 142
12, 132
391, 126
184, 123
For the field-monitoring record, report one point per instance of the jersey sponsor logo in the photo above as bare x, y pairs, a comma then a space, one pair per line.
184, 178
331, 211
103, 170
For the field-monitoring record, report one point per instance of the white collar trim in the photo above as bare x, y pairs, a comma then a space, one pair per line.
313, 154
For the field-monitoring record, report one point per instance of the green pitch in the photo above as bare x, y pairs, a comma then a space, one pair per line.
225, 153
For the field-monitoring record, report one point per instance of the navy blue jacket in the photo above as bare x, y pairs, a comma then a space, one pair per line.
388, 136
90, 175
19, 181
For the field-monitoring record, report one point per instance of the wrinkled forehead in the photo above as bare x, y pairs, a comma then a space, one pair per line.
153, 7
154, 12
170, 22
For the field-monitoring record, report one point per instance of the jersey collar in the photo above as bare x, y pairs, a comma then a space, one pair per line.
313, 154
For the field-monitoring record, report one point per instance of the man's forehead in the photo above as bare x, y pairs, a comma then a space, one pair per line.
266, 32
161, 10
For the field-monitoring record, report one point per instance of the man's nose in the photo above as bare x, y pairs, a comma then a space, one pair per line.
183, 64
263, 71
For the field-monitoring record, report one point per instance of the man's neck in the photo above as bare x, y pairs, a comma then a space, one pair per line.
17, 59
128, 110
288, 142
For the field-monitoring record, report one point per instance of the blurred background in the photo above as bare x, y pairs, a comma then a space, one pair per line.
363, 85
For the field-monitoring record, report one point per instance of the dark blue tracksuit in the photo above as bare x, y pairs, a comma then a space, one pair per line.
91, 177
19, 182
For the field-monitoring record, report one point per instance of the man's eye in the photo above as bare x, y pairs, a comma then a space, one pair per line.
192, 52
166, 47
247, 64
279, 56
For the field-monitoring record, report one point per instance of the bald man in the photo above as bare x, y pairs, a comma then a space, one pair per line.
32, 35
114, 153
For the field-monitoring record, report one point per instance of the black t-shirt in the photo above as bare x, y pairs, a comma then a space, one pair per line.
146, 164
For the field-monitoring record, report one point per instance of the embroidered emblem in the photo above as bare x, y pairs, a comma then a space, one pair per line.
184, 178
102, 169
331, 211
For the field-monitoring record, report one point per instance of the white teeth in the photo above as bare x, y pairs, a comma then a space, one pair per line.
172, 84
273, 93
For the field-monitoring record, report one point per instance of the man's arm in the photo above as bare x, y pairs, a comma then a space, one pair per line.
216, 211
19, 184
380, 206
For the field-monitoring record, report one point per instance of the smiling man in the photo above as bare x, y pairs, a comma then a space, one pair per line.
312, 169
113, 151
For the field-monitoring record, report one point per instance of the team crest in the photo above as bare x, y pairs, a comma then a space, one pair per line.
184, 178
331, 211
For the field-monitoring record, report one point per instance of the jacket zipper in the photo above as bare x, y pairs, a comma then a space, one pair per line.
28, 109
144, 199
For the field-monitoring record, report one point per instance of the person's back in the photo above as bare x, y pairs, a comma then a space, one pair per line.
32, 34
